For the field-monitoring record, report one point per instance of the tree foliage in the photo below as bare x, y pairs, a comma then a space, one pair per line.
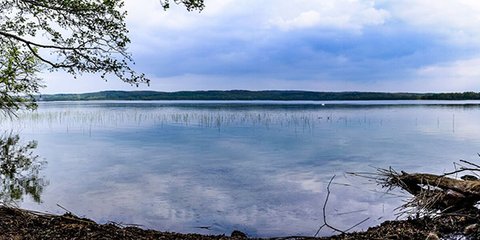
190, 4
18, 82
77, 36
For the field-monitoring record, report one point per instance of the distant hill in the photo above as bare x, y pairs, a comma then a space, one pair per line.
256, 95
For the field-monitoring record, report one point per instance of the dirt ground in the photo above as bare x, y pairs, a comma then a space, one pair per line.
20, 224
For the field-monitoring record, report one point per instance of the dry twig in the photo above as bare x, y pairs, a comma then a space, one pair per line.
324, 209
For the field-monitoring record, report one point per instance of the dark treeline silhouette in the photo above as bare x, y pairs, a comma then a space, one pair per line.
257, 95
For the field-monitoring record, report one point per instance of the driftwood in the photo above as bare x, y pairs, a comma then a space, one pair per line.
445, 205
434, 194
437, 192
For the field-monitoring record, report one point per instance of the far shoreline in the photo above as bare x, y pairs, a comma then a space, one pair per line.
246, 95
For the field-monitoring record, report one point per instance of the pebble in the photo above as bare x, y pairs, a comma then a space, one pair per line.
238, 234
471, 229
432, 236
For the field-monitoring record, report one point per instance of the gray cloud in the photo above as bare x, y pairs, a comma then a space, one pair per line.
297, 44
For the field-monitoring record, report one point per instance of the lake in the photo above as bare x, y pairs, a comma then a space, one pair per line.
258, 167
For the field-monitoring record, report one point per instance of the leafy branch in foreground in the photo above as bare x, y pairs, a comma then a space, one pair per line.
77, 36
18, 81
190, 4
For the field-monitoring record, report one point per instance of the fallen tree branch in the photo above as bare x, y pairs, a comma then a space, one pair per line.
434, 193
324, 209
325, 223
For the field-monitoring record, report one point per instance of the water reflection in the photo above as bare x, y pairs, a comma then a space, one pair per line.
19, 170
260, 169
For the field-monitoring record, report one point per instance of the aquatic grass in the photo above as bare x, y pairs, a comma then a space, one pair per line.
77, 119
87, 119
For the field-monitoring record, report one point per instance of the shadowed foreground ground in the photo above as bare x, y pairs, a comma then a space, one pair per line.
22, 224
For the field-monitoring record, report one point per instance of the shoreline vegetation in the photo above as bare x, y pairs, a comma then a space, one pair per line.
16, 223
245, 95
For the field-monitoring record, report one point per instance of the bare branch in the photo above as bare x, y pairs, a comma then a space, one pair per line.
324, 208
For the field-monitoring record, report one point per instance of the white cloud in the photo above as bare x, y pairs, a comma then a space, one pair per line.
455, 76
461, 75
62, 82
457, 21
342, 14
305, 19
222, 47
149, 14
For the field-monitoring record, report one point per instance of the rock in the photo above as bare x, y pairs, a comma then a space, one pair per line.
238, 234
469, 178
471, 229
432, 236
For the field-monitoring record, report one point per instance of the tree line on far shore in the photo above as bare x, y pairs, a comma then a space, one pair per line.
257, 95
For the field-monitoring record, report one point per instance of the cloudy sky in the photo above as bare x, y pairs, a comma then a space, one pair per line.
318, 45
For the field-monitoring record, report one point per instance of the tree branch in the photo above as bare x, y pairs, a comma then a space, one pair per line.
9, 35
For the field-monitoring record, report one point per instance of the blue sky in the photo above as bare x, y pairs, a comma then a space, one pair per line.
317, 45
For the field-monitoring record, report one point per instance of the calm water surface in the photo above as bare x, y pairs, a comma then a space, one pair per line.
259, 167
